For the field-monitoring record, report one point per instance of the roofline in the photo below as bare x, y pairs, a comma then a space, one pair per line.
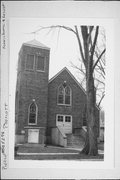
70, 75
72, 78
26, 44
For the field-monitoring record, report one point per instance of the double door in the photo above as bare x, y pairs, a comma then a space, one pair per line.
65, 123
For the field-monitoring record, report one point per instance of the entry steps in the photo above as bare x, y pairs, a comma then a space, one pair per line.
74, 140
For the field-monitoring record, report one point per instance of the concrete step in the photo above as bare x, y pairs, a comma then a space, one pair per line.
75, 140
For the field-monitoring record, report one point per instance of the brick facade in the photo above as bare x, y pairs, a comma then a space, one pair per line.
75, 109
31, 84
34, 85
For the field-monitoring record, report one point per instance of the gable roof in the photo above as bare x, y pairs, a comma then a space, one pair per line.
66, 69
35, 43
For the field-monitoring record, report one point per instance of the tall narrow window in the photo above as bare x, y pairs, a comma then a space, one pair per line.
67, 95
64, 95
30, 62
61, 95
33, 114
40, 63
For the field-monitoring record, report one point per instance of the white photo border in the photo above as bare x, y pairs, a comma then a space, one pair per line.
109, 113
7, 107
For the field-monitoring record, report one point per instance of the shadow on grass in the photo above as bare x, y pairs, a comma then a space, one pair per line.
79, 157
57, 156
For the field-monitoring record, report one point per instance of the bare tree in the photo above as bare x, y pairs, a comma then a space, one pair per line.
87, 37
99, 73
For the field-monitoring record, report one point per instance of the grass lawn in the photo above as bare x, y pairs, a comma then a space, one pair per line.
57, 156
48, 149
61, 157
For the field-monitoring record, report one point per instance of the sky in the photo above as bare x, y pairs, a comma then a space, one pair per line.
63, 45
64, 48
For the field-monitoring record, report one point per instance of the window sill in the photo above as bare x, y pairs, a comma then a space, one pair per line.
40, 70
69, 105
30, 70
32, 124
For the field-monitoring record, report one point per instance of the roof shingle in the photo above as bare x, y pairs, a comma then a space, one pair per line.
35, 43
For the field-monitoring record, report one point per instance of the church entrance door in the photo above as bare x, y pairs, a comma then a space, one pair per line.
65, 123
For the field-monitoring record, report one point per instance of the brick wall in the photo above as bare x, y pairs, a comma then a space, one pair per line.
78, 101
31, 85
42, 135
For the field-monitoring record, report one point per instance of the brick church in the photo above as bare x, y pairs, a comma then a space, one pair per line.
47, 111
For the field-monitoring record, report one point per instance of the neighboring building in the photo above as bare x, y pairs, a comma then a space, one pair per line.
102, 125
47, 111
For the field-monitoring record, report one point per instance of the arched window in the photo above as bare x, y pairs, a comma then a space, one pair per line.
61, 95
64, 95
33, 113
67, 95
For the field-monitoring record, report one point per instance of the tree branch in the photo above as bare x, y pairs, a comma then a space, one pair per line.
101, 99
100, 81
57, 26
100, 72
94, 43
80, 69
101, 68
80, 46
89, 35
98, 59
101, 62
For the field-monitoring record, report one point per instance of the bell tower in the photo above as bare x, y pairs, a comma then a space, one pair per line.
32, 93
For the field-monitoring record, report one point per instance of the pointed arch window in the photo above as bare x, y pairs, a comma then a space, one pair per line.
61, 95
33, 113
64, 95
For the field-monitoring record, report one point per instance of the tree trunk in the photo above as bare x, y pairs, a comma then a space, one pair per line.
91, 139
91, 114
91, 136
86, 146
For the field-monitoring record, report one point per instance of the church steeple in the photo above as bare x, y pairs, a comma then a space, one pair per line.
32, 83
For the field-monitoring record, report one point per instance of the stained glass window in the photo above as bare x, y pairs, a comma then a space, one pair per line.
67, 95
61, 95
32, 113
64, 95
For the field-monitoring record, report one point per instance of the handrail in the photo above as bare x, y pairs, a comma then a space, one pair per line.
61, 131
61, 138
84, 128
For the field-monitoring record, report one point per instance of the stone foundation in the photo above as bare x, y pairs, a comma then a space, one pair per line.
19, 139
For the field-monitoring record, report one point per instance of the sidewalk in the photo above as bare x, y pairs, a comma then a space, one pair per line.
80, 149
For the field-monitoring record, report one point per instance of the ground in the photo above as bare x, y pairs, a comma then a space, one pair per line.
37, 152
